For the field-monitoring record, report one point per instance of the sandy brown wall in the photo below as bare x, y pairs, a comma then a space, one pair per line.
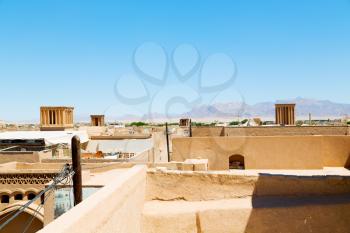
278, 152
20, 222
28, 157
284, 215
114, 208
269, 131
222, 202
159, 146
336, 151
199, 186
143, 157
208, 131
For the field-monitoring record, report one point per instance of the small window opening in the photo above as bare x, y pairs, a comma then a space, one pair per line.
19, 197
236, 162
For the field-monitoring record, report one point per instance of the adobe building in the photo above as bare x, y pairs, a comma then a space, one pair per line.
308, 152
164, 200
33, 146
97, 120
285, 114
298, 183
185, 122
56, 118
22, 182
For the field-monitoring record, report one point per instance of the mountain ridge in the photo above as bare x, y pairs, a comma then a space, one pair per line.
319, 108
322, 109
266, 110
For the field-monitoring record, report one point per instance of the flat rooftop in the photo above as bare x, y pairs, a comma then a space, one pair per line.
50, 137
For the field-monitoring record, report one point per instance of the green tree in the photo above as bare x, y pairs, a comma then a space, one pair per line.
234, 123
244, 121
138, 123
299, 123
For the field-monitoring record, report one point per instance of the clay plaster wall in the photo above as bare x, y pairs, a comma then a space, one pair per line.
222, 202
269, 131
19, 223
253, 215
277, 152
208, 131
145, 156
160, 149
93, 167
114, 208
212, 202
336, 151
204, 186
29, 157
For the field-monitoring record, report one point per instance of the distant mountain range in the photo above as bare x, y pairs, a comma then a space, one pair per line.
319, 109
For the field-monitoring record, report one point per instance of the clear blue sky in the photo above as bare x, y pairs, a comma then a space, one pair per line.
72, 52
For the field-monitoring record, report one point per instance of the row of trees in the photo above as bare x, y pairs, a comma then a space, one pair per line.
232, 123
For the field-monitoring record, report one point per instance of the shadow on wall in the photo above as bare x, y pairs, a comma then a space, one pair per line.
311, 207
222, 133
248, 203
24, 222
347, 163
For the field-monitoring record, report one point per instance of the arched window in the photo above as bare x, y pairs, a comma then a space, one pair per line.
5, 199
236, 162
19, 196
31, 196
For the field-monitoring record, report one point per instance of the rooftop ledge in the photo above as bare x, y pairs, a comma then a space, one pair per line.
127, 204
326, 171
116, 206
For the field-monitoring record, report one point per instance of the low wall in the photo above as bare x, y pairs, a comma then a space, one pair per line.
25, 156
336, 151
121, 137
277, 152
84, 160
205, 186
45, 154
159, 146
215, 202
208, 131
145, 156
269, 131
253, 215
116, 207
93, 167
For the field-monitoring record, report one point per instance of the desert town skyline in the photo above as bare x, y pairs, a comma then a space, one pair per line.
61, 169
320, 109
174, 116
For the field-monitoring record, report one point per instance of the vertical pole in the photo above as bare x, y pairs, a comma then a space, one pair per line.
77, 181
190, 127
276, 115
309, 118
167, 140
